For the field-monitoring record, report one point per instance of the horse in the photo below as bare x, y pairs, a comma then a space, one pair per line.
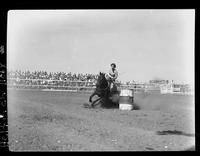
102, 89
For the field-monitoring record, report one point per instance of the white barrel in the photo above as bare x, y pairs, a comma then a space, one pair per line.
126, 99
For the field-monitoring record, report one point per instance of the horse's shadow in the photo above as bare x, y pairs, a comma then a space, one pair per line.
113, 102
106, 103
103, 103
110, 105
174, 132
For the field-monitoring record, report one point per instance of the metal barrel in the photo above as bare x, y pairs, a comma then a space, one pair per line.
126, 99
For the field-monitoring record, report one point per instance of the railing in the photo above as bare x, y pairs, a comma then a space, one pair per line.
62, 84
82, 85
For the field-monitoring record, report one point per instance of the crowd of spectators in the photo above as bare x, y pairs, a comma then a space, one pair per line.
52, 75
27, 79
56, 79
62, 79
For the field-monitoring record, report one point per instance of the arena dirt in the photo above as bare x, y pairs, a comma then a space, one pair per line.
57, 121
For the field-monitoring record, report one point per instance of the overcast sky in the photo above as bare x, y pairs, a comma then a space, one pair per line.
145, 44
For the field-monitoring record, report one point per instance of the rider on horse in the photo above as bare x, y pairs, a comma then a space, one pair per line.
112, 75
103, 89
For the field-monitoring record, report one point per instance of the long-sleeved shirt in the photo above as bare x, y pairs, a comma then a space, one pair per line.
113, 74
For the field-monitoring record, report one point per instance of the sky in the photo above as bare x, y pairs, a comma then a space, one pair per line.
144, 44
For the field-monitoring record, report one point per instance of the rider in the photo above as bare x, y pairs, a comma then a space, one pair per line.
112, 75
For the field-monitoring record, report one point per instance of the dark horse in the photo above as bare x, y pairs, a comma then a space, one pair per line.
102, 89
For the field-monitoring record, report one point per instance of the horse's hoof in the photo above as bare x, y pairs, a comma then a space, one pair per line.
86, 105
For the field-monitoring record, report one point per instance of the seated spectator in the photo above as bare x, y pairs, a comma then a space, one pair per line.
23, 76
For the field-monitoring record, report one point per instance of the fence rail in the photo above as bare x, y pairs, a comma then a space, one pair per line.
83, 85
61, 84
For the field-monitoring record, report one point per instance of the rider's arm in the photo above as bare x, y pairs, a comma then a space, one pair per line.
110, 73
116, 75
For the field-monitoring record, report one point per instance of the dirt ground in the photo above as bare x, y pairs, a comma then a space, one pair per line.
57, 121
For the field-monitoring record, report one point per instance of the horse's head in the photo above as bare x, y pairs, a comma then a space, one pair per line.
101, 79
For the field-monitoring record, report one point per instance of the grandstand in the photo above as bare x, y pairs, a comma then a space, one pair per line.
83, 82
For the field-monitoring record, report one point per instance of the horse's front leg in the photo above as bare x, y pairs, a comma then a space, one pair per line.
95, 101
91, 96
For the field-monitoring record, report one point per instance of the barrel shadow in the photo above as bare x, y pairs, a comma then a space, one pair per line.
136, 106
